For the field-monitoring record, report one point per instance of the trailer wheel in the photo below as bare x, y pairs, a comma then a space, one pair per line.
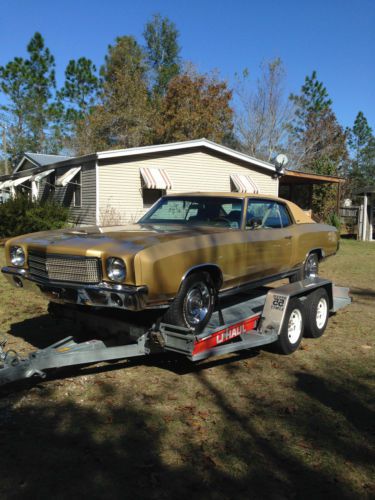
194, 303
317, 313
292, 329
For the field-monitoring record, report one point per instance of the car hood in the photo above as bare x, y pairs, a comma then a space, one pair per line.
96, 241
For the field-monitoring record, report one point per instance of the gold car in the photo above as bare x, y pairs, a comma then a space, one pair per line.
185, 252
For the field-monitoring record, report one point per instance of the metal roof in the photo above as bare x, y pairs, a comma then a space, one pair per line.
41, 160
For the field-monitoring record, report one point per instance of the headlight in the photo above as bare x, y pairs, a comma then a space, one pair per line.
116, 269
17, 256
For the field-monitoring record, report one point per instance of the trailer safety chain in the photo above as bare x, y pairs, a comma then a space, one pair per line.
13, 355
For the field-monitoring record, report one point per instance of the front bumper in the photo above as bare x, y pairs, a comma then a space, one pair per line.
103, 294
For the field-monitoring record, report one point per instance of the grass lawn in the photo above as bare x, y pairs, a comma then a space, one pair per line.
258, 425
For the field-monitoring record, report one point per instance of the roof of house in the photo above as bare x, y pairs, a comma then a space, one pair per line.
41, 160
183, 146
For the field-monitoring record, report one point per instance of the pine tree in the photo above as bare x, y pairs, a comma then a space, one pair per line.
121, 117
80, 88
29, 86
362, 145
162, 51
315, 133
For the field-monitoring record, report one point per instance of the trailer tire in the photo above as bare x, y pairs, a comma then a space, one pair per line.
317, 313
292, 329
194, 304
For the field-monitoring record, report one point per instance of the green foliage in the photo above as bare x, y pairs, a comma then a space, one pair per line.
162, 50
80, 88
21, 215
28, 85
316, 137
122, 116
324, 195
362, 145
333, 219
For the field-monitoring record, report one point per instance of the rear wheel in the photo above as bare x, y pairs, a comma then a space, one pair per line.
194, 303
292, 329
310, 269
317, 313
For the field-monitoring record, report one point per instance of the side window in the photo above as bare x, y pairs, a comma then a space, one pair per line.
263, 214
285, 218
77, 190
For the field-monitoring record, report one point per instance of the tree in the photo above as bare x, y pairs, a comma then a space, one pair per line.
80, 88
28, 85
195, 106
262, 116
121, 117
162, 51
362, 145
314, 132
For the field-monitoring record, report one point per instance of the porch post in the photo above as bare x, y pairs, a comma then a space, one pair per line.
364, 222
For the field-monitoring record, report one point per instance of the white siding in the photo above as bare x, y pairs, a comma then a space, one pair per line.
121, 187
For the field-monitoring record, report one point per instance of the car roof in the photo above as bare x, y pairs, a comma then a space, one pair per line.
225, 195
300, 217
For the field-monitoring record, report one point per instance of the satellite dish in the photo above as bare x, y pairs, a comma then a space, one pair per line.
281, 160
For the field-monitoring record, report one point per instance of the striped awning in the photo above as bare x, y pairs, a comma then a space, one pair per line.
155, 178
39, 177
21, 180
244, 183
68, 176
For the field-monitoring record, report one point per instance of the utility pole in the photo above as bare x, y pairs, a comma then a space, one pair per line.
5, 152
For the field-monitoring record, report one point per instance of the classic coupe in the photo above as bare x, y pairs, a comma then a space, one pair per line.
187, 250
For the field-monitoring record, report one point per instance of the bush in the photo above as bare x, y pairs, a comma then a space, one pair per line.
333, 219
21, 215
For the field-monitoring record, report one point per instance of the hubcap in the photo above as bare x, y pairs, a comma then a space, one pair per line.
197, 303
311, 267
321, 313
294, 326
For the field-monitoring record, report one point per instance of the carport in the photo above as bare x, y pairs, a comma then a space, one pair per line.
298, 187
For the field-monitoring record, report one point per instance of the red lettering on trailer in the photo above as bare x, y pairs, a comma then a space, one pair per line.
226, 334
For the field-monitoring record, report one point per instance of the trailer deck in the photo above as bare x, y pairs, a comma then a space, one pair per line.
240, 322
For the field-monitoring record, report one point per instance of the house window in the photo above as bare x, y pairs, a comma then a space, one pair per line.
77, 190
151, 196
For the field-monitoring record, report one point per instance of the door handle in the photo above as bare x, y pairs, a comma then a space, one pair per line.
287, 237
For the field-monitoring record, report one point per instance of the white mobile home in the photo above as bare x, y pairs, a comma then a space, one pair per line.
118, 186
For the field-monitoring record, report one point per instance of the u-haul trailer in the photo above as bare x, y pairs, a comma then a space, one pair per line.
279, 316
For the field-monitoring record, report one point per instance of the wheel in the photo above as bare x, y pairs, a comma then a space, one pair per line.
292, 329
194, 303
317, 313
310, 269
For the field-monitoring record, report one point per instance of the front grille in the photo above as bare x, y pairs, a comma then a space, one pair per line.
65, 268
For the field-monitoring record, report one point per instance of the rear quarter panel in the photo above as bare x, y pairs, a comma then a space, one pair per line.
308, 237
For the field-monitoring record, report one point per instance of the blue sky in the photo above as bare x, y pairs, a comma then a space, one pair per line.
335, 37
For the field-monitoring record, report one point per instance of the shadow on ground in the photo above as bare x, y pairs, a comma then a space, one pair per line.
119, 451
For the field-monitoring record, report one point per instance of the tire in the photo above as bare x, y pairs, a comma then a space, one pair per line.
310, 269
292, 329
317, 313
194, 303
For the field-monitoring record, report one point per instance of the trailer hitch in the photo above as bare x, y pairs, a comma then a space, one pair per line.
13, 367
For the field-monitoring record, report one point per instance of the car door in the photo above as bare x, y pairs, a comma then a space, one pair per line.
269, 238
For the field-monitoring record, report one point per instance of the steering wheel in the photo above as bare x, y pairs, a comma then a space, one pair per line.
222, 219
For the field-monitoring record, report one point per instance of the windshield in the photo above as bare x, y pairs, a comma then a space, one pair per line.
196, 210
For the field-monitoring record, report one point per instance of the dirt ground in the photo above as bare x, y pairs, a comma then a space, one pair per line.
255, 425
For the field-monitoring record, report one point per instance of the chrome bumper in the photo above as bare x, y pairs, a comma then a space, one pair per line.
103, 294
